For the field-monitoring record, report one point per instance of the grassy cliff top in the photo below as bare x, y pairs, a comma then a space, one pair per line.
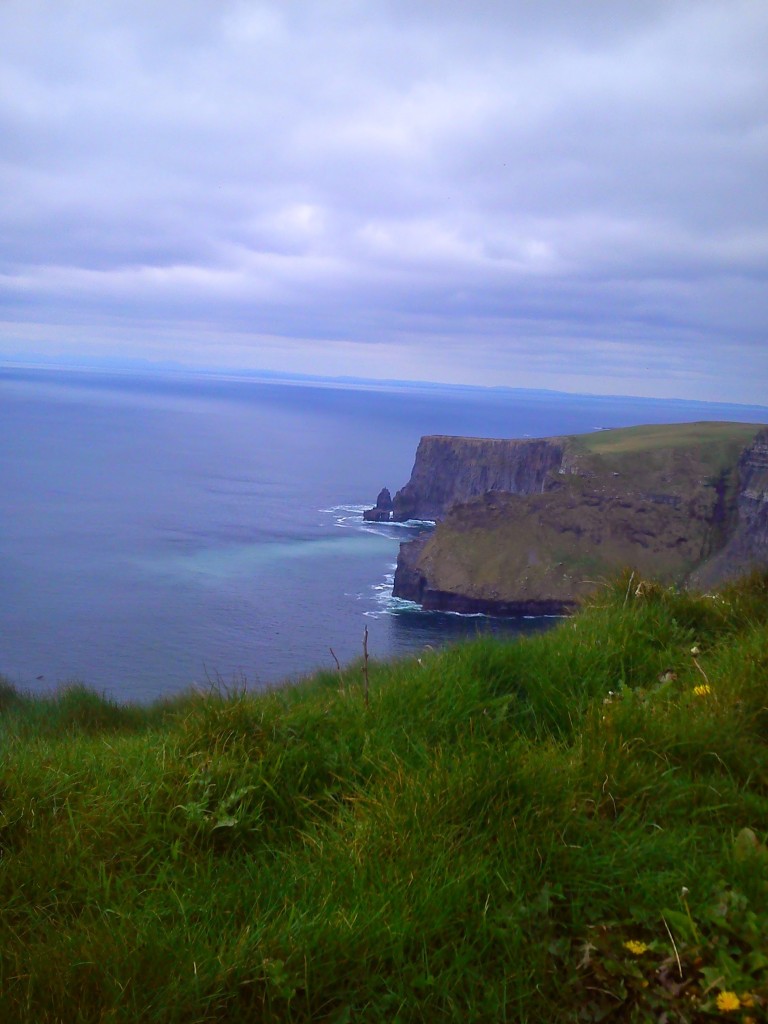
565, 828
673, 457
668, 435
621, 440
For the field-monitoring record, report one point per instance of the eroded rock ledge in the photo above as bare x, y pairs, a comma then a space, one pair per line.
413, 585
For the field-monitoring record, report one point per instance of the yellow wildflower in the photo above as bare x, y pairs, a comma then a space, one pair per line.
702, 691
638, 948
727, 1001
747, 999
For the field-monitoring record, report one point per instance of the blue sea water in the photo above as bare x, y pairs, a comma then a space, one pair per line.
158, 531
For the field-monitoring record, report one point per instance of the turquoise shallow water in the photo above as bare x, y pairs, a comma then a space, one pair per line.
161, 531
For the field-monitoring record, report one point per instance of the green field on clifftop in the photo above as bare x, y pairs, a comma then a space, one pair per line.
567, 828
670, 435
685, 453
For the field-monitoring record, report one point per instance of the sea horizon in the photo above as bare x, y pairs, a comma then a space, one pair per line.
119, 367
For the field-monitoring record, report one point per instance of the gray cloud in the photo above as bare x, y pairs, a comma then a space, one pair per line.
559, 195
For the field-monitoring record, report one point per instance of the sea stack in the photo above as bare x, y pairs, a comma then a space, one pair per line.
382, 510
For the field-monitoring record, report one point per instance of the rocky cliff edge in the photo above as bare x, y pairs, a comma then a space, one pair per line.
533, 526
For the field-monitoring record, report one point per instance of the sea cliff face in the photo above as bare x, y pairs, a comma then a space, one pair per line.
753, 495
746, 544
449, 470
532, 527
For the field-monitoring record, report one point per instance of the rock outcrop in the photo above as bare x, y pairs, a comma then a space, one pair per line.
532, 527
382, 510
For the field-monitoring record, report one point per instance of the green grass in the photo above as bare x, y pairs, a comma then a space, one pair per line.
477, 845
632, 440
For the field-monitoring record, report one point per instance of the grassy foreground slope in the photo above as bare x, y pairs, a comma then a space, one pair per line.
566, 828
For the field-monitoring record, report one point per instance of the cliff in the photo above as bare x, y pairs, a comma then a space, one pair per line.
449, 470
746, 544
753, 497
532, 527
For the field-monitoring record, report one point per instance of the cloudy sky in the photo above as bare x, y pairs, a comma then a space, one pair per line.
556, 194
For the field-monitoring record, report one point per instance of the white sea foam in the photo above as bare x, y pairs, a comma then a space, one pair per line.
350, 517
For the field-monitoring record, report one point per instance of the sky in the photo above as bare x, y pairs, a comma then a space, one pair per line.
537, 194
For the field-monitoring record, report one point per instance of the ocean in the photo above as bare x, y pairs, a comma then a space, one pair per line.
164, 530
